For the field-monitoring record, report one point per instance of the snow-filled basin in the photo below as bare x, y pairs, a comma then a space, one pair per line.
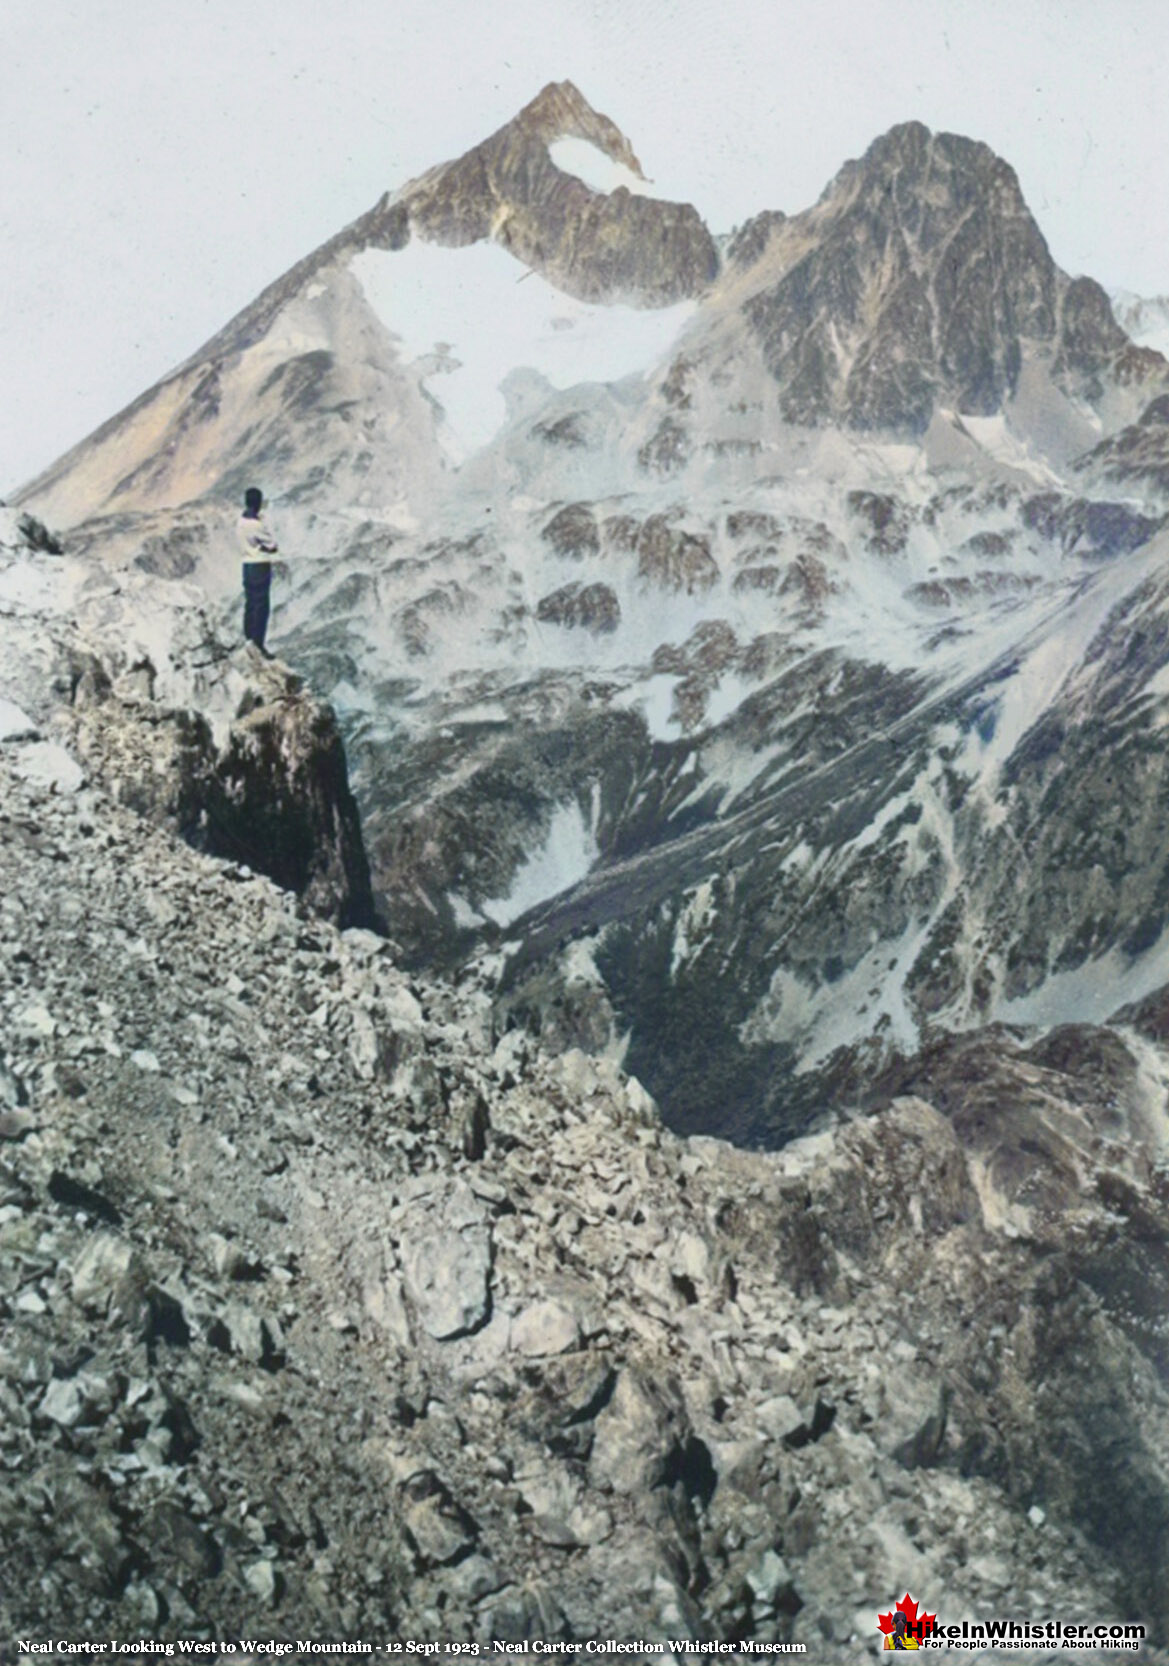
484, 315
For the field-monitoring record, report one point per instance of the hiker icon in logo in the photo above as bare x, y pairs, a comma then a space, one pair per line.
905, 1626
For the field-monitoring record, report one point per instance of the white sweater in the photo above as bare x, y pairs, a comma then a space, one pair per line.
256, 542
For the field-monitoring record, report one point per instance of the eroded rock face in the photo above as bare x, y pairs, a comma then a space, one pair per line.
592, 607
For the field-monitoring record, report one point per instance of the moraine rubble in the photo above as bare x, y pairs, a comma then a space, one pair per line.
324, 1308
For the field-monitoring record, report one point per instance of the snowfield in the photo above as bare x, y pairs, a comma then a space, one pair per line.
481, 316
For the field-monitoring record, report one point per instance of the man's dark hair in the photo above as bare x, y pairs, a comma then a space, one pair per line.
253, 500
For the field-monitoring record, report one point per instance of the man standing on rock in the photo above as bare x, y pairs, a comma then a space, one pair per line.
257, 546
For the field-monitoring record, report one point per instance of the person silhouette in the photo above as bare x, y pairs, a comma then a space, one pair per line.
257, 547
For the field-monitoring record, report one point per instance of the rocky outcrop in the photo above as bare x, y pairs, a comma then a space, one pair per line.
885, 520
271, 792
592, 607
572, 532
673, 557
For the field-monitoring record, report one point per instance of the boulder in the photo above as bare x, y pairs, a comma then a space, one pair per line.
445, 1248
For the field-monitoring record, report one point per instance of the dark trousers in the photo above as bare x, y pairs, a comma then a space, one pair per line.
257, 603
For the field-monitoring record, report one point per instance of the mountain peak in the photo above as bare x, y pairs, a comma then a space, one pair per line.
596, 244
919, 281
561, 111
948, 170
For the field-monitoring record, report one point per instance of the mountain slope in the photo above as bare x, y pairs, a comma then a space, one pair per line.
323, 1315
307, 361
738, 639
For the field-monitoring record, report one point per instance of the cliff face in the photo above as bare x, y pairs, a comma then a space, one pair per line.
274, 794
279, 794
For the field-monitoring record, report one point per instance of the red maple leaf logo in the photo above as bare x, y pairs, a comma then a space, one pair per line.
913, 1618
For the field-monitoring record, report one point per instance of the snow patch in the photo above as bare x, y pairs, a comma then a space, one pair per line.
727, 697
868, 1000
14, 723
996, 437
567, 854
1151, 1092
579, 965
1091, 993
1145, 320
732, 767
654, 698
599, 172
49, 766
29, 586
466, 917
888, 812
692, 927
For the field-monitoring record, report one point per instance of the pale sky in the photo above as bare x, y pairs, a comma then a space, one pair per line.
165, 159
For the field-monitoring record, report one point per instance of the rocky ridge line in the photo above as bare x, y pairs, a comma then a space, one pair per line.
598, 247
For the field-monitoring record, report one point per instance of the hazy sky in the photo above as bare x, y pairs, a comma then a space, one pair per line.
164, 161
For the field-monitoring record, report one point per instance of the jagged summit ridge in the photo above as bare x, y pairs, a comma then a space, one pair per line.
561, 111
597, 246
919, 285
